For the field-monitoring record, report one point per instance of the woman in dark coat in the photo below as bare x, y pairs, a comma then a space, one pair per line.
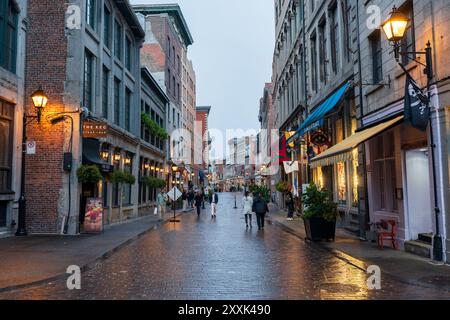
290, 206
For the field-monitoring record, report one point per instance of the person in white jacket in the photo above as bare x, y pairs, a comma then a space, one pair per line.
247, 204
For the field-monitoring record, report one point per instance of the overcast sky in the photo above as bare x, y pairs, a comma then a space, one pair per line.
232, 56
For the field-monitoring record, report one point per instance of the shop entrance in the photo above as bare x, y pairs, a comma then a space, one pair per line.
418, 192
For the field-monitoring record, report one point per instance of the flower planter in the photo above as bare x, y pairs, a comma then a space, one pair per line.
319, 229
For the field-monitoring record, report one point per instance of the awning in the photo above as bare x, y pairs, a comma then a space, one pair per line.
314, 119
91, 155
342, 151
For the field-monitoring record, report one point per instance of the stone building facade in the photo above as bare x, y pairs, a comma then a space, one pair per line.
13, 31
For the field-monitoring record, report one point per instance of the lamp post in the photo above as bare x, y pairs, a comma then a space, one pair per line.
174, 220
40, 100
395, 30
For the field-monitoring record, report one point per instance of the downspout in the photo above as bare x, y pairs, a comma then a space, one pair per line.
305, 84
362, 214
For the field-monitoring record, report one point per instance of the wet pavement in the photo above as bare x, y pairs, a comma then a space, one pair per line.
209, 259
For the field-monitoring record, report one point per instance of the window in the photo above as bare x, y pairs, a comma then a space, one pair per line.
377, 63
91, 12
128, 53
107, 28
346, 9
8, 34
408, 43
88, 80
334, 38
126, 188
173, 51
174, 86
118, 40
105, 92
168, 47
313, 5
323, 52
179, 64
127, 109
116, 101
314, 63
6, 144
384, 173
173, 116
169, 80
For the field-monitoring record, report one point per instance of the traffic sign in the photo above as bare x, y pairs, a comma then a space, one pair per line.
31, 147
174, 194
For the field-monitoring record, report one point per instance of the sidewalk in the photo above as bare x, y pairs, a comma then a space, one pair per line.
400, 265
36, 259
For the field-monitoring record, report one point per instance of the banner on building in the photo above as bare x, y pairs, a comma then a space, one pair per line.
417, 105
290, 166
93, 219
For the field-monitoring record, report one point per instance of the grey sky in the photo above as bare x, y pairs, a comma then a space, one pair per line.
232, 56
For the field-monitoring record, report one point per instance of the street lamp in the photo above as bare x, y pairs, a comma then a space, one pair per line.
395, 30
40, 100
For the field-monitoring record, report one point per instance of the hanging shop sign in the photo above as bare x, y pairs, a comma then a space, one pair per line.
319, 138
93, 219
94, 129
417, 105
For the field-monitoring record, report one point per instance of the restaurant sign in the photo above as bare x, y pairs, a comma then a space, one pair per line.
94, 129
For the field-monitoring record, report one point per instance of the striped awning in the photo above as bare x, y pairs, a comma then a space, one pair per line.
342, 151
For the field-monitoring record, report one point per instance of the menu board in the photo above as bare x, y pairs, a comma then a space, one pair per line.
93, 219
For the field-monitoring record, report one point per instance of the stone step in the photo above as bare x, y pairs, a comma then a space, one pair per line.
418, 248
426, 237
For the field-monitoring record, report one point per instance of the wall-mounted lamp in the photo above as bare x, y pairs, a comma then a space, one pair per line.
105, 155
147, 166
117, 157
127, 160
40, 100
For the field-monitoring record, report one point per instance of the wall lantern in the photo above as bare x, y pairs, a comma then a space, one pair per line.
105, 155
153, 168
174, 168
117, 157
147, 166
395, 26
128, 160
40, 100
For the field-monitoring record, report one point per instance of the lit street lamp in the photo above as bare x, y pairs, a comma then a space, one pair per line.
395, 31
40, 100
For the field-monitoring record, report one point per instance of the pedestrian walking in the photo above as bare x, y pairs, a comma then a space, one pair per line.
214, 202
260, 207
198, 202
248, 206
184, 197
191, 197
290, 206
161, 200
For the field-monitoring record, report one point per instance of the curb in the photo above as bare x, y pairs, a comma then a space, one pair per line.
357, 263
89, 265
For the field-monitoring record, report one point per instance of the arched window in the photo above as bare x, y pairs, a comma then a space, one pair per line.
9, 12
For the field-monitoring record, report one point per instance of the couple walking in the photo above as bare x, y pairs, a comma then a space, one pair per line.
213, 200
257, 205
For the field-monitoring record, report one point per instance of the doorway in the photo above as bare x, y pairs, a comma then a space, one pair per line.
418, 192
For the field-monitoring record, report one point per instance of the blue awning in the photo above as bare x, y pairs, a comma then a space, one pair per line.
315, 119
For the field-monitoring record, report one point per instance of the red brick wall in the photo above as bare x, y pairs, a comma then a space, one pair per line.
162, 31
46, 66
203, 117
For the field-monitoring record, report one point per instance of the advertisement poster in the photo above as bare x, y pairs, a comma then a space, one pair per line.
93, 220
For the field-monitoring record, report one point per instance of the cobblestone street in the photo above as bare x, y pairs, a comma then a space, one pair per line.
220, 259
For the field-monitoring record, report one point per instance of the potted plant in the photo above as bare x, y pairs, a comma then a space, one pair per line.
320, 214
89, 174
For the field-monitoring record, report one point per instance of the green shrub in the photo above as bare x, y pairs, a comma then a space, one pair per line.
89, 174
255, 189
152, 182
120, 176
318, 204
282, 187
154, 128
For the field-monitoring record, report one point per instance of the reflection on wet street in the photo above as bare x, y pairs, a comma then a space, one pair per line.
219, 259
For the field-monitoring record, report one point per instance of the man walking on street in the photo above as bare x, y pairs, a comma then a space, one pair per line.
161, 200
214, 202
260, 208
198, 202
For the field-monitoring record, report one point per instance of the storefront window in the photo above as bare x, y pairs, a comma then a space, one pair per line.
384, 173
342, 183
354, 168
6, 145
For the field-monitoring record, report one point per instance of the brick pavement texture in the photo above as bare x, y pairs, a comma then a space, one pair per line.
209, 259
